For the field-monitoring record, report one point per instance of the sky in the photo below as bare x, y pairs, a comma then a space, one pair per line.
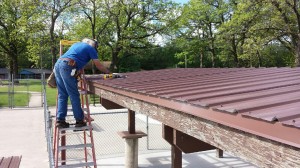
181, 1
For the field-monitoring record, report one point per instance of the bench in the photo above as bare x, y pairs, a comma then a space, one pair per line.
10, 162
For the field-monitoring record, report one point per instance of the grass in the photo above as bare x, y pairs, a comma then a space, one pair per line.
21, 97
51, 96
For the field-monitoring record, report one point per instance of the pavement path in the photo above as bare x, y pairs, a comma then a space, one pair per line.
35, 99
22, 133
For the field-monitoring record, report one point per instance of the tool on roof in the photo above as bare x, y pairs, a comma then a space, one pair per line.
75, 140
113, 75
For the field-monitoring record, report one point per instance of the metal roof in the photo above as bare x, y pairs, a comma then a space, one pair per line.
270, 94
4, 71
28, 71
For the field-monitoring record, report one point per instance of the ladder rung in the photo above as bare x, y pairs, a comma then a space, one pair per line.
83, 109
87, 118
74, 146
77, 165
82, 92
75, 128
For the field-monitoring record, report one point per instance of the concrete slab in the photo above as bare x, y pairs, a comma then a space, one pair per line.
162, 159
22, 133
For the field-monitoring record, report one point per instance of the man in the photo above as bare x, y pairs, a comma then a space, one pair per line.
75, 58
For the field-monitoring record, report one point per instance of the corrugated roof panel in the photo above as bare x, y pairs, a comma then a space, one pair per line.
270, 94
283, 113
260, 103
226, 97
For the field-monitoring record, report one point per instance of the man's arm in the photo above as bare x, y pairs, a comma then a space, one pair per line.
100, 66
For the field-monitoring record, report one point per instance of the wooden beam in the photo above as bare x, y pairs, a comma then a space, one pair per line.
109, 104
189, 144
176, 157
181, 142
184, 142
131, 122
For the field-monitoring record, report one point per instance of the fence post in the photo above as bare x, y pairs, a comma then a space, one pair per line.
147, 130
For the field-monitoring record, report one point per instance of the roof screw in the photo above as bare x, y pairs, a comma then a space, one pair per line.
294, 121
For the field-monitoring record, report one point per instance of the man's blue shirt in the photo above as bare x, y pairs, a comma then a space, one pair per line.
81, 53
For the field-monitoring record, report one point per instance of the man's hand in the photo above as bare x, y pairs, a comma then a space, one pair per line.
100, 66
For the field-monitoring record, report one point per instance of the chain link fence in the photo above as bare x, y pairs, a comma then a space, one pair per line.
106, 124
16, 92
107, 142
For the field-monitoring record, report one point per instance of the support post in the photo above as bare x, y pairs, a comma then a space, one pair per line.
131, 122
219, 153
131, 141
181, 142
131, 152
176, 157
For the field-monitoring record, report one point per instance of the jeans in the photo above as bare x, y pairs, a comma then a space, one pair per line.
67, 87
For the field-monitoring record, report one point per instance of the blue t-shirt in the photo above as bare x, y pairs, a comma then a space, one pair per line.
81, 53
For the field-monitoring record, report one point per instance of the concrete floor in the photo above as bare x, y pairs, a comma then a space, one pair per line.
162, 159
22, 133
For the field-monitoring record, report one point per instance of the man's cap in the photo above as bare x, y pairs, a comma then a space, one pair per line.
91, 42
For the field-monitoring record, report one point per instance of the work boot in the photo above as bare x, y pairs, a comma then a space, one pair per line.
80, 123
62, 124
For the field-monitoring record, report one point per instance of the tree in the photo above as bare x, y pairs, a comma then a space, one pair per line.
54, 9
17, 22
133, 22
285, 24
199, 25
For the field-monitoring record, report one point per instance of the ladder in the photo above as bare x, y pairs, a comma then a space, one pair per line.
74, 146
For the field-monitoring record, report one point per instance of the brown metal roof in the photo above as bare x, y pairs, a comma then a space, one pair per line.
267, 94
271, 94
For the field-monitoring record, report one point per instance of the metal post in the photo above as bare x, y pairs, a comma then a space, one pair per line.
147, 130
8, 90
28, 97
13, 91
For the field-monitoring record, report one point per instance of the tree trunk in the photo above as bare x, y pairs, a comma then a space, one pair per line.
115, 59
297, 52
53, 52
235, 54
212, 45
53, 45
201, 59
15, 65
11, 69
259, 58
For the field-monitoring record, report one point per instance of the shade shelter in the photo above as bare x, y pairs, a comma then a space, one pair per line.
4, 73
33, 73
252, 113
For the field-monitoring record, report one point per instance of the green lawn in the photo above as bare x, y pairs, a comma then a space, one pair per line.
51, 96
21, 97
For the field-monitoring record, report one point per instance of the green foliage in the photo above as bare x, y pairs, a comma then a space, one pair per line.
201, 33
158, 58
19, 22
129, 63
